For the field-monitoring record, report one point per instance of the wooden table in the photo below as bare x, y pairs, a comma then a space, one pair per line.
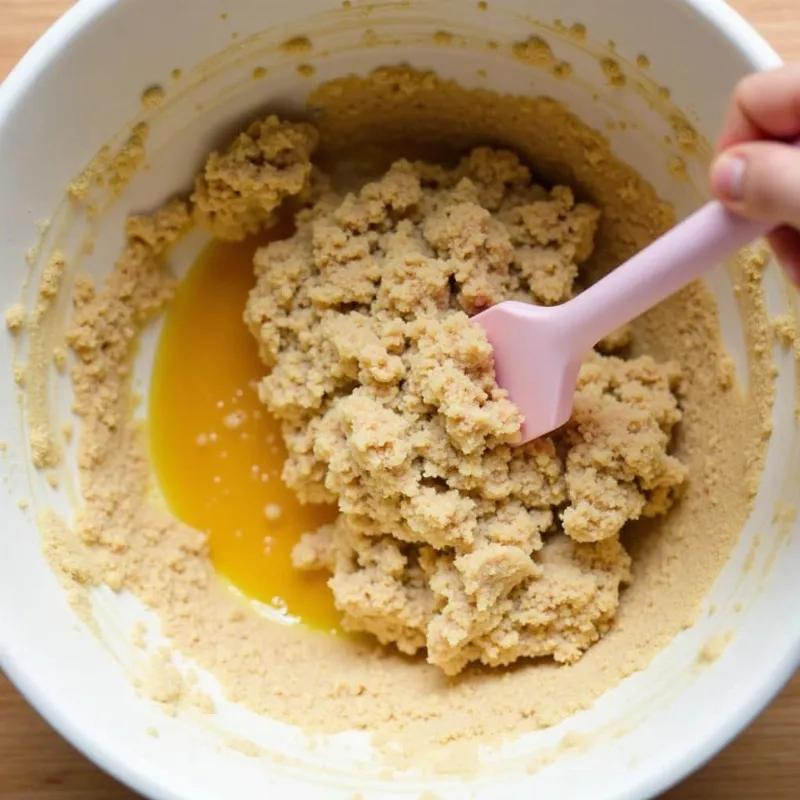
36, 764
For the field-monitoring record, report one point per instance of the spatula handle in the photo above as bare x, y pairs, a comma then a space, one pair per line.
681, 255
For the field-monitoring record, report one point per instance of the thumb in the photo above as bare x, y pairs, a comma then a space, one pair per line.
760, 180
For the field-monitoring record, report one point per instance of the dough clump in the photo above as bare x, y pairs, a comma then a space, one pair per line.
450, 538
237, 192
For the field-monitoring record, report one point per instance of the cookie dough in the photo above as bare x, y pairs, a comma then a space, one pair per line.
450, 538
237, 192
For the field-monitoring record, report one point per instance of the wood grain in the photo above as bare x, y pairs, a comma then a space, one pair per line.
36, 764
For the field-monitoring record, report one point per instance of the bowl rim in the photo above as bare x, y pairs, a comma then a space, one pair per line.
749, 702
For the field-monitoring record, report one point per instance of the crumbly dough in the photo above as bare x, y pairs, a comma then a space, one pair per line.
122, 539
50, 283
238, 191
449, 537
153, 97
297, 45
785, 329
110, 169
16, 316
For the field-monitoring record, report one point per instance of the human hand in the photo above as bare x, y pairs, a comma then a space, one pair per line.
754, 175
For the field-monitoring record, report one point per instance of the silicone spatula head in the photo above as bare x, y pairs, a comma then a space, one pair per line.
534, 363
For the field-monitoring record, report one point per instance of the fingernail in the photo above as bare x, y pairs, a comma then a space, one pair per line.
727, 177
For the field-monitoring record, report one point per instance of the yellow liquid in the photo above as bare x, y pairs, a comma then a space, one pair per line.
216, 451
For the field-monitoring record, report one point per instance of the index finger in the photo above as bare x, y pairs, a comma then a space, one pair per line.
765, 105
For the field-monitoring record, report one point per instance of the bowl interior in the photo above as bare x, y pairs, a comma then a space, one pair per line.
79, 89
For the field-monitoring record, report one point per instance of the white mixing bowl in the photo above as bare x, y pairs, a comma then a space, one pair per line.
79, 88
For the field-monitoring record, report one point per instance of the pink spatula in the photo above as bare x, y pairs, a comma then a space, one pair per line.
539, 350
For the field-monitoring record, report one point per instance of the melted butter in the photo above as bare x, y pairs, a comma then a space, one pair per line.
216, 451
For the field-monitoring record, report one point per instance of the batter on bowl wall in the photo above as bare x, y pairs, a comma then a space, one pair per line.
482, 589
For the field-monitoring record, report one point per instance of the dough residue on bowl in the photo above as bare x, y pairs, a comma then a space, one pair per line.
376, 429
